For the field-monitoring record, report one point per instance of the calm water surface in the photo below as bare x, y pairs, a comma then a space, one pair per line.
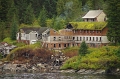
56, 76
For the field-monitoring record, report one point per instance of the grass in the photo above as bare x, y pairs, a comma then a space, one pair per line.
89, 25
102, 58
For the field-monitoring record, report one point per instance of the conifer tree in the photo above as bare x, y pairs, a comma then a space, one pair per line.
29, 17
83, 49
14, 28
42, 17
12, 10
2, 28
113, 24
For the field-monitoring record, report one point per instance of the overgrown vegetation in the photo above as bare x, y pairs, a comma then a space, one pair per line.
103, 58
89, 25
29, 54
71, 52
83, 49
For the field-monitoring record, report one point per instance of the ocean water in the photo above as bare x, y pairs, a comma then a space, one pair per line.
55, 76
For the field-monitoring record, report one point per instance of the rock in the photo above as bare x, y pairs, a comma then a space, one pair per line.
68, 71
99, 71
87, 72
1, 62
81, 70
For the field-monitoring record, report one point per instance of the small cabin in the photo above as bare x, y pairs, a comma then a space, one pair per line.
95, 16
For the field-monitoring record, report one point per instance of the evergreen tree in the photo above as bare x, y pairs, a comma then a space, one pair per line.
83, 49
42, 17
4, 6
50, 6
113, 21
12, 10
95, 4
29, 17
14, 28
21, 6
2, 28
70, 9
37, 6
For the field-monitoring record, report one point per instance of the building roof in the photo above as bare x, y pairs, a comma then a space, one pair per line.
89, 25
27, 30
93, 14
42, 29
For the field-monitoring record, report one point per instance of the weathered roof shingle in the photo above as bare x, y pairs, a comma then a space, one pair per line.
93, 13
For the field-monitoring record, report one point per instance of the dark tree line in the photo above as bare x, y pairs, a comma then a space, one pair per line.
27, 11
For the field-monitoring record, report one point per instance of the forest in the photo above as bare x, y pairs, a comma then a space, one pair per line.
15, 14
44, 13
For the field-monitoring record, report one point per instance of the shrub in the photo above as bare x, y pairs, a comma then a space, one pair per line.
102, 58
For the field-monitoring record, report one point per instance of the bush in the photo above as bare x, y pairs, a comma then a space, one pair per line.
102, 58
71, 52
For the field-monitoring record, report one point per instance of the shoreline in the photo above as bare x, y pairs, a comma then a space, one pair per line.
42, 68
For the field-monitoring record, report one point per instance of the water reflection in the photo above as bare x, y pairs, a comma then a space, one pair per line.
56, 76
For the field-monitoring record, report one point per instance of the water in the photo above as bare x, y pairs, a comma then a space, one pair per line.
55, 76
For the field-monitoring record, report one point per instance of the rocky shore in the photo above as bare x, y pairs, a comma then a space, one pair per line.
39, 68
54, 64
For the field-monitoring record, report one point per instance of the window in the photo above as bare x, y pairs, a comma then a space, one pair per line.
54, 45
87, 19
97, 31
68, 44
90, 31
59, 45
36, 35
73, 38
87, 31
77, 38
90, 39
96, 38
59, 38
64, 45
93, 38
54, 38
80, 38
100, 39
86, 38
84, 31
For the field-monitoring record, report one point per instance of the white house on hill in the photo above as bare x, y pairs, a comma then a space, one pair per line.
95, 16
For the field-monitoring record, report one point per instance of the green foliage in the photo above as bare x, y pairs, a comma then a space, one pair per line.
69, 9
71, 52
50, 6
34, 50
102, 58
4, 6
72, 63
89, 25
9, 41
113, 25
14, 28
29, 18
42, 18
83, 49
2, 29
56, 23
95, 4
12, 10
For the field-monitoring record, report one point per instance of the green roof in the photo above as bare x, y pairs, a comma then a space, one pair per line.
88, 25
